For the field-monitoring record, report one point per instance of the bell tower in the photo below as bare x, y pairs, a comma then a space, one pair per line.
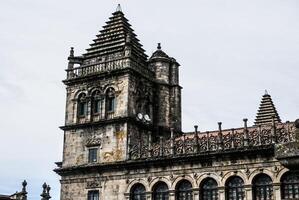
108, 87
117, 100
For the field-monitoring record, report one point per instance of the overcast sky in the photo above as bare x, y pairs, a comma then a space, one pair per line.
229, 51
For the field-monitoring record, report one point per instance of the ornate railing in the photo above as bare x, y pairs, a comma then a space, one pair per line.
107, 66
215, 141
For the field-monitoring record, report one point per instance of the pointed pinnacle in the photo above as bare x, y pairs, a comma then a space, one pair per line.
118, 8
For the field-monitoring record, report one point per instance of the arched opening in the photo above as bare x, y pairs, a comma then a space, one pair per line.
262, 187
290, 186
97, 103
160, 191
138, 192
209, 189
234, 188
184, 190
82, 105
110, 102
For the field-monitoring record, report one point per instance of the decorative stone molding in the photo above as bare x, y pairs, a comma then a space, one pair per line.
93, 141
93, 184
288, 153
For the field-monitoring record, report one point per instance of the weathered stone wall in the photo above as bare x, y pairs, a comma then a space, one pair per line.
141, 96
118, 83
116, 185
110, 140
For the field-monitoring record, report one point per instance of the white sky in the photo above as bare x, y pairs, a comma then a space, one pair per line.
230, 51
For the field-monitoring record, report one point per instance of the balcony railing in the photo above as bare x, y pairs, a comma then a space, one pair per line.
215, 141
107, 66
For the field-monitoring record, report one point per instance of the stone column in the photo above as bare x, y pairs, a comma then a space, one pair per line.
127, 196
195, 194
148, 195
171, 194
276, 191
221, 193
248, 192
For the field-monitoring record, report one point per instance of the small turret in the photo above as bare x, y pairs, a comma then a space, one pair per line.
166, 71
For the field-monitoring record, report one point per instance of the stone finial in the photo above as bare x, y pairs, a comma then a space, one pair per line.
220, 126
245, 120
118, 8
196, 128
72, 52
44, 194
266, 92
24, 184
48, 192
159, 46
23, 194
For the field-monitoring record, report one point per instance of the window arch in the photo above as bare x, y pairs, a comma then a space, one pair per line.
262, 187
234, 188
160, 191
82, 105
138, 192
97, 102
184, 190
209, 189
290, 185
110, 100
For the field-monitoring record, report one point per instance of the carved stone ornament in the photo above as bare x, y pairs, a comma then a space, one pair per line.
93, 184
247, 171
93, 141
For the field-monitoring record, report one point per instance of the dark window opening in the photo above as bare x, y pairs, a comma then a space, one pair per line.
92, 155
184, 190
290, 186
82, 105
209, 189
138, 192
161, 192
93, 195
262, 187
235, 188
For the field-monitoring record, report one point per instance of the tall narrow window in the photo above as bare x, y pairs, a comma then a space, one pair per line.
110, 100
209, 189
138, 192
82, 105
234, 188
184, 190
92, 155
93, 195
160, 191
262, 187
290, 186
97, 102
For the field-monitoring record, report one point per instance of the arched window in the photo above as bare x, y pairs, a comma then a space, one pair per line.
209, 189
110, 100
138, 192
82, 105
290, 186
262, 187
160, 191
234, 188
184, 190
97, 102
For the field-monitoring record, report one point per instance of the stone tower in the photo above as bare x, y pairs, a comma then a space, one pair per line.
115, 98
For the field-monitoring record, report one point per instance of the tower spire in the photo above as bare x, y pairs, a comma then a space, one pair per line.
266, 111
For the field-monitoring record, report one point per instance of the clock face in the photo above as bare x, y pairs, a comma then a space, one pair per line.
139, 116
147, 118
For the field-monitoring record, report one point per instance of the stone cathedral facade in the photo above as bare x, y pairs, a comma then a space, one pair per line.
123, 137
